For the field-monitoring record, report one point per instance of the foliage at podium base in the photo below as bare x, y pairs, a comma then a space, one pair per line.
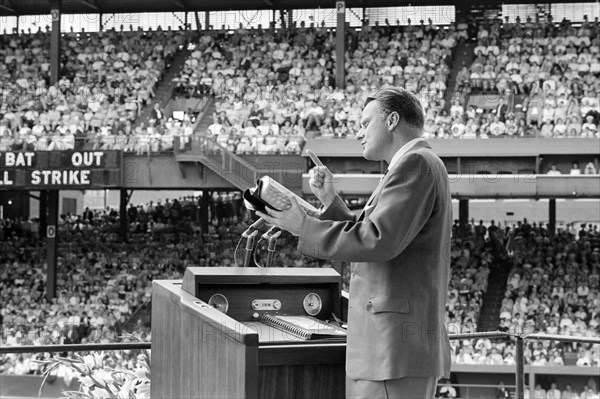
98, 381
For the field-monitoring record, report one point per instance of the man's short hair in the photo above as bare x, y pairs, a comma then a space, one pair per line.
402, 101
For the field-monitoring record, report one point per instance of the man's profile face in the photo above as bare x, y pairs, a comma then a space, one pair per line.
373, 134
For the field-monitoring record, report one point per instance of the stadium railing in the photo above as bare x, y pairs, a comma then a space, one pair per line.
519, 341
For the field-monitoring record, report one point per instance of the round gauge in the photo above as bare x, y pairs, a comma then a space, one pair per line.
219, 302
312, 304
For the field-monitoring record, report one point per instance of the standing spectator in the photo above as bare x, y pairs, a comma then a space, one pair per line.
157, 113
502, 392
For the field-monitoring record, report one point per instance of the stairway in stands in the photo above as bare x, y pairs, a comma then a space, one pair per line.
207, 118
164, 88
142, 313
489, 317
230, 166
462, 56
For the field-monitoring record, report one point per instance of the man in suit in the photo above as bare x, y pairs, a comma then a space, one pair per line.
399, 247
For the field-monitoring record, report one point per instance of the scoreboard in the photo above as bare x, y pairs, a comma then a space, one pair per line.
34, 170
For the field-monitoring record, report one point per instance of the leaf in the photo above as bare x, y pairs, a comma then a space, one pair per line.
127, 389
103, 376
87, 381
46, 375
89, 362
114, 389
98, 360
143, 391
76, 367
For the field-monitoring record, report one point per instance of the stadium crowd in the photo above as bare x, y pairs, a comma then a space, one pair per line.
546, 76
98, 293
101, 280
276, 87
294, 94
552, 288
273, 89
106, 79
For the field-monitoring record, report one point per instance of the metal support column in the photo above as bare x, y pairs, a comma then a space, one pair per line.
52, 244
340, 44
55, 11
520, 373
206, 20
551, 218
463, 214
123, 222
43, 213
204, 204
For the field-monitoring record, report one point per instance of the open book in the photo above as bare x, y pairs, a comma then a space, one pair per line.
269, 192
305, 327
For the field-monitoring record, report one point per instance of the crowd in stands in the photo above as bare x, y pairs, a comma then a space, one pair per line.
553, 287
471, 258
276, 87
590, 168
588, 391
476, 250
273, 88
101, 280
546, 76
106, 79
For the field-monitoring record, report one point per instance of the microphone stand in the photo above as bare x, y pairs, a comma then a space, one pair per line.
271, 247
249, 248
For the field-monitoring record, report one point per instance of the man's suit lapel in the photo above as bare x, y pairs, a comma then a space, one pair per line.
382, 183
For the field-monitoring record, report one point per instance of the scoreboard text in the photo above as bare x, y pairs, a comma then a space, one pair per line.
60, 169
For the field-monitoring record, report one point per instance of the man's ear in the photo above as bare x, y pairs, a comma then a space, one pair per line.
392, 120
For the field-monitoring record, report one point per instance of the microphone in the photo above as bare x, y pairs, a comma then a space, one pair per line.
267, 235
250, 247
253, 227
271, 247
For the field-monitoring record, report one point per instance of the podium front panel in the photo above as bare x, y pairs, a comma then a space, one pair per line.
201, 352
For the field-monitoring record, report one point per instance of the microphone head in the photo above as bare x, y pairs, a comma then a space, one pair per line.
253, 227
269, 233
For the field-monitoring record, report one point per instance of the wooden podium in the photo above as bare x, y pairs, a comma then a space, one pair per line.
198, 351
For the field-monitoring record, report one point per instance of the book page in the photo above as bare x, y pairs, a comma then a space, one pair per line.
275, 185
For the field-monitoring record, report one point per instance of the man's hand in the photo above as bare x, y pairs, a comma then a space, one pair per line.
290, 219
321, 181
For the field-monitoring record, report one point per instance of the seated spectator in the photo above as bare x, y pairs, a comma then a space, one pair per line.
553, 170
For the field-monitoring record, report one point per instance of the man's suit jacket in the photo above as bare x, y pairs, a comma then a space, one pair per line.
400, 249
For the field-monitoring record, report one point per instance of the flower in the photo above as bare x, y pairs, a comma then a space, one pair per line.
99, 381
89, 362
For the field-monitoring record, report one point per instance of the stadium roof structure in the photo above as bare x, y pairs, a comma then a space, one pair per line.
41, 7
